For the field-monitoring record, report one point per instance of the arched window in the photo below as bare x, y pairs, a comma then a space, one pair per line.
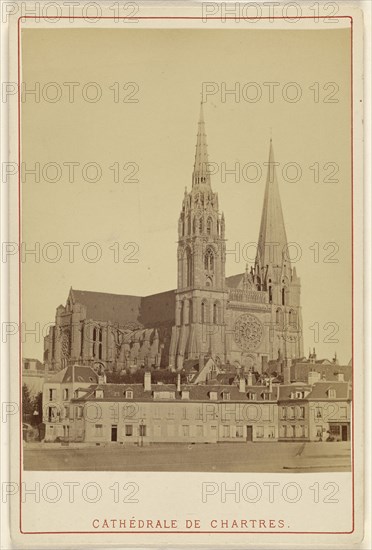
209, 226
194, 226
200, 225
190, 312
216, 308
279, 317
209, 260
283, 296
97, 342
204, 311
188, 267
258, 282
292, 318
270, 294
182, 311
189, 225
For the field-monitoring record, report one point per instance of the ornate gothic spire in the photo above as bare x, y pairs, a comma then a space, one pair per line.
200, 174
272, 240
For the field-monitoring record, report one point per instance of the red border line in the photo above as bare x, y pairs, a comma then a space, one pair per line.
20, 284
186, 532
19, 279
352, 269
183, 17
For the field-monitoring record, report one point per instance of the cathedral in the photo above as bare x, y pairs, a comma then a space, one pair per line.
244, 321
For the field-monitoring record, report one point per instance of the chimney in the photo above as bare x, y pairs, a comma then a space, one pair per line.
242, 384
250, 378
313, 377
101, 374
340, 377
147, 381
313, 356
178, 382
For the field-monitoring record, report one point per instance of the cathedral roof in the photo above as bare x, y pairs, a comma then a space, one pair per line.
234, 280
102, 306
126, 309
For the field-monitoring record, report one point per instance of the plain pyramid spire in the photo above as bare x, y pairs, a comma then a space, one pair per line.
201, 174
272, 239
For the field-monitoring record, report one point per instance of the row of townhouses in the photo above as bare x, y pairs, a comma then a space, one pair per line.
79, 406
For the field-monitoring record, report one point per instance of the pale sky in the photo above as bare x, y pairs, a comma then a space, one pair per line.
158, 133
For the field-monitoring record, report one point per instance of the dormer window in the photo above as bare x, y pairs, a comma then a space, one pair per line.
213, 396
185, 394
98, 394
331, 393
251, 396
128, 394
297, 395
226, 396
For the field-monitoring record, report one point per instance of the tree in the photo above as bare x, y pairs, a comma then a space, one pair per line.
38, 407
27, 403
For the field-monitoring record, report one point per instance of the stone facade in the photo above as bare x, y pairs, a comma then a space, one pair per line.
116, 331
245, 320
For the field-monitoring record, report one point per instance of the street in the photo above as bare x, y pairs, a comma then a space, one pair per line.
220, 457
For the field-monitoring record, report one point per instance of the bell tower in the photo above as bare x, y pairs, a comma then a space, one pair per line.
274, 274
201, 295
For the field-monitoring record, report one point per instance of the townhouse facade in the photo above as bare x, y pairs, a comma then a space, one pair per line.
317, 411
79, 406
58, 391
